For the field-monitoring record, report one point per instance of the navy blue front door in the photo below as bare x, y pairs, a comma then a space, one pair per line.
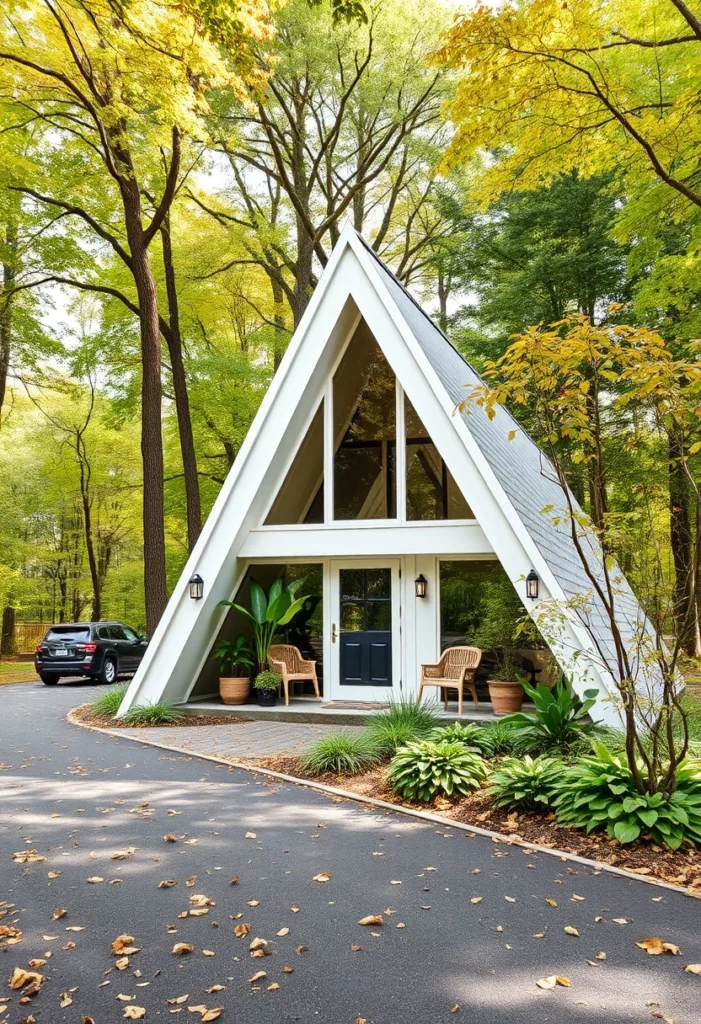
366, 627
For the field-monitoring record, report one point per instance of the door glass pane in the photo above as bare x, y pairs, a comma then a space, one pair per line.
352, 616
379, 615
378, 582
364, 424
431, 491
301, 497
352, 583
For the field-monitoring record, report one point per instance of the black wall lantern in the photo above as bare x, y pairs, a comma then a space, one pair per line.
420, 585
196, 587
532, 582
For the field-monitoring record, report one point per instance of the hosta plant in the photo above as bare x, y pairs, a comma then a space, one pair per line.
500, 738
424, 770
599, 793
560, 718
525, 784
470, 735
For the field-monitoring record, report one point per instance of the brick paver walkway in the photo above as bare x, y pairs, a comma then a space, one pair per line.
240, 739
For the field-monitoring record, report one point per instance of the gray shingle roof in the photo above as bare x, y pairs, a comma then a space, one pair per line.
526, 476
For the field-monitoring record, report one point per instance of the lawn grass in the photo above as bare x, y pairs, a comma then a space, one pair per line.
17, 672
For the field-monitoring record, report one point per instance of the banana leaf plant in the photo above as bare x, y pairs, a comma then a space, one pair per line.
269, 612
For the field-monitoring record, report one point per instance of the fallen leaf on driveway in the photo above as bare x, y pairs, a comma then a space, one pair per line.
250, 835
693, 968
212, 1014
257, 944
58, 914
191, 881
654, 946
283, 931
94, 879
455, 1009
241, 929
180, 948
620, 920
257, 976
123, 945
476, 899
372, 919
274, 987
20, 978
323, 876
27, 857
128, 851
198, 900
552, 980
570, 930
134, 1012
167, 883
170, 838
177, 1000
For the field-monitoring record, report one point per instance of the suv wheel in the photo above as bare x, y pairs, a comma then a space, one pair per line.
49, 678
108, 672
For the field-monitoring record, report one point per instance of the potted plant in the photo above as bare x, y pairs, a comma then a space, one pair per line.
235, 659
269, 612
266, 686
505, 688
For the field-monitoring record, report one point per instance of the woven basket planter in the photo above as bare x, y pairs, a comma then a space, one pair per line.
234, 689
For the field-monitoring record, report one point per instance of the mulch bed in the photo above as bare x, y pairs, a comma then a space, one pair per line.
682, 867
86, 716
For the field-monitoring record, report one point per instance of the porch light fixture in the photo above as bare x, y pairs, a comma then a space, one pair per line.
196, 585
532, 582
420, 585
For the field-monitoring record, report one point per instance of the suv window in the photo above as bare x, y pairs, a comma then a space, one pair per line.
130, 634
102, 633
78, 634
117, 633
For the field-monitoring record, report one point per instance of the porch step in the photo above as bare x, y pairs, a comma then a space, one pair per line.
309, 712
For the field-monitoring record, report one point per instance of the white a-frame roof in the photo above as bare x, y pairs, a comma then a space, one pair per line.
507, 483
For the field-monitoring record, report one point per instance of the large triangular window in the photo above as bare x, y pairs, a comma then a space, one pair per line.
301, 497
431, 491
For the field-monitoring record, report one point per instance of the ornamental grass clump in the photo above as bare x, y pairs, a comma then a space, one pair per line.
344, 753
160, 713
525, 784
600, 793
470, 735
422, 770
108, 703
403, 721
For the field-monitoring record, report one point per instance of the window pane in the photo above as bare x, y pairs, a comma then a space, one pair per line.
364, 414
431, 491
353, 616
352, 583
301, 497
379, 582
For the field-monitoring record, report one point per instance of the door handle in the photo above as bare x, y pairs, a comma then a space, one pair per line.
334, 634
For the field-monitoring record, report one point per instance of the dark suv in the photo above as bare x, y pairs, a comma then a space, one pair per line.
99, 650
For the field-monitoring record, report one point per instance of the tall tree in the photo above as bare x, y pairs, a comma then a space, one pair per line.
119, 85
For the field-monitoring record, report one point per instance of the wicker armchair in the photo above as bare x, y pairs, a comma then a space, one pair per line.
286, 659
454, 671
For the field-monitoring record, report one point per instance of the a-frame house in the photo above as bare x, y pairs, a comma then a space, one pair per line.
358, 465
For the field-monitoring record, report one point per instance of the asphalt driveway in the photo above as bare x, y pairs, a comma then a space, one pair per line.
468, 925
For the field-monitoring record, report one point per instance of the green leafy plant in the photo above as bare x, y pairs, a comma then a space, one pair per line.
269, 612
267, 680
499, 738
344, 753
423, 770
234, 656
507, 670
160, 713
525, 783
560, 718
599, 793
402, 721
471, 735
108, 702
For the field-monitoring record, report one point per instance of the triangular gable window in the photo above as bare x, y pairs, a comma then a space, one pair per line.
431, 491
301, 497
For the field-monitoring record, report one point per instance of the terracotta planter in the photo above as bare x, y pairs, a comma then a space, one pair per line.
234, 689
505, 696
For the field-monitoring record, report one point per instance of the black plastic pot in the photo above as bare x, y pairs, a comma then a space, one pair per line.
267, 698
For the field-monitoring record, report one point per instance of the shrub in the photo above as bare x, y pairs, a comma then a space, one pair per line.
108, 702
423, 770
559, 720
470, 735
267, 680
160, 713
345, 753
526, 784
599, 793
499, 738
401, 722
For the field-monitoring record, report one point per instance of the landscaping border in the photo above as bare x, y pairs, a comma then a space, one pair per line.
385, 805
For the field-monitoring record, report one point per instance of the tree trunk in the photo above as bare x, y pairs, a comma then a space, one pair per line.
9, 270
8, 642
303, 273
279, 320
681, 539
90, 546
182, 401
155, 587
